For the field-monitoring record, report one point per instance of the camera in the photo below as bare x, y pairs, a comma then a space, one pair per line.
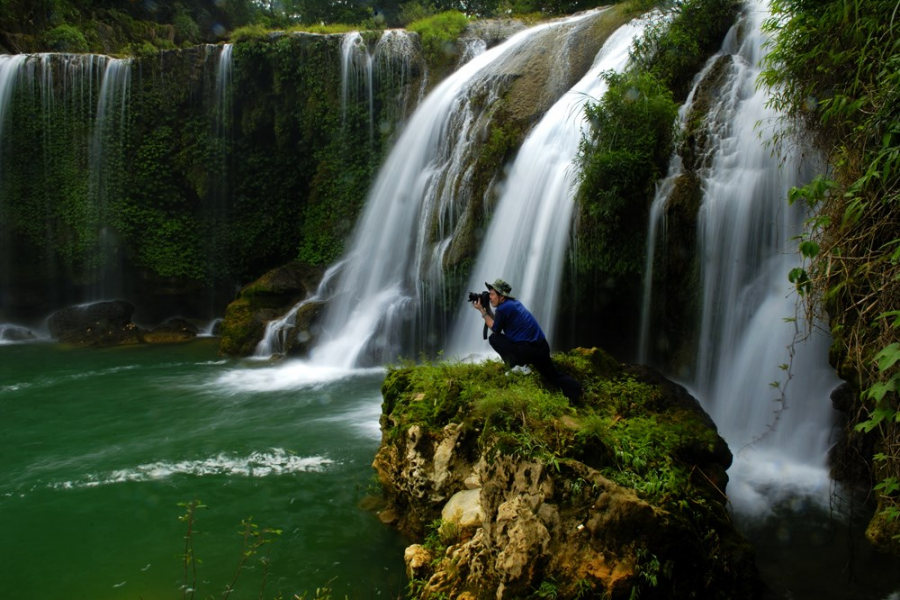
484, 296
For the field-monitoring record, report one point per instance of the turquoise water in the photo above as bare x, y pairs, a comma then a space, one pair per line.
99, 447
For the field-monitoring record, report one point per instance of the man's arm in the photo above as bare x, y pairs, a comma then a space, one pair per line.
485, 314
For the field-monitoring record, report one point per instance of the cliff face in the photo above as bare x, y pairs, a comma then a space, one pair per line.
513, 491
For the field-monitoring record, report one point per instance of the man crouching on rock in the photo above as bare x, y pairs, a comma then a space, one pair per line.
519, 340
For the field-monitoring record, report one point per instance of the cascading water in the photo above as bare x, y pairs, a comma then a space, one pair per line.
106, 165
529, 232
224, 77
274, 341
766, 389
9, 71
365, 71
356, 75
217, 198
381, 287
62, 91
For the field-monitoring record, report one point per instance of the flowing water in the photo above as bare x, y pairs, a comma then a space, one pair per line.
100, 447
529, 233
766, 383
423, 181
107, 152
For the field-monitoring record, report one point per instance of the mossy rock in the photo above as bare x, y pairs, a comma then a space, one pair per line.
591, 496
268, 298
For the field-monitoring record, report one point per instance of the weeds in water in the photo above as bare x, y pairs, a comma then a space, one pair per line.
253, 539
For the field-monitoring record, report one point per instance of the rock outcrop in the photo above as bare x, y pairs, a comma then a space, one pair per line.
513, 491
97, 324
268, 298
102, 324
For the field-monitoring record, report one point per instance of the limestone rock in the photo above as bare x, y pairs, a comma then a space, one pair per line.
515, 517
270, 297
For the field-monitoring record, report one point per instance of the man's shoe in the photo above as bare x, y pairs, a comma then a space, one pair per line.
521, 370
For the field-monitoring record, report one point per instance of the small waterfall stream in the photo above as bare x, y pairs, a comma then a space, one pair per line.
356, 76
106, 165
9, 72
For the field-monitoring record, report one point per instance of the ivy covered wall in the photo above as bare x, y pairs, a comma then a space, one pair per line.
180, 179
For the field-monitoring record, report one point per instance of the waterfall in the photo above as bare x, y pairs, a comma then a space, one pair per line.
217, 199
529, 231
363, 72
275, 339
394, 65
391, 254
9, 72
106, 166
63, 90
765, 387
224, 70
356, 73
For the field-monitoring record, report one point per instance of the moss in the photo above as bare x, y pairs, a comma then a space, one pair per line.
240, 330
642, 424
636, 463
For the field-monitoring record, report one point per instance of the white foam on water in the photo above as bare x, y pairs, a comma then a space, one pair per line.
363, 418
763, 480
277, 461
292, 375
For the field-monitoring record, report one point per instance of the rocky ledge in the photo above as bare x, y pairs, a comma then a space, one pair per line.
512, 492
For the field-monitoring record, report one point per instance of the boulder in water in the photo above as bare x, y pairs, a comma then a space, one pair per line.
98, 324
268, 298
172, 330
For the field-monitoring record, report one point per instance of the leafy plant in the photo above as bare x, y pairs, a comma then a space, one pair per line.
253, 540
831, 69
626, 151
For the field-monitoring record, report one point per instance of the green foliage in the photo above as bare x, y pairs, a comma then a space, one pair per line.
626, 152
674, 52
253, 540
66, 38
832, 67
414, 11
186, 29
439, 34
547, 590
248, 33
624, 427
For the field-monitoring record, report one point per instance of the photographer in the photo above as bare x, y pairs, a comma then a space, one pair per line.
519, 340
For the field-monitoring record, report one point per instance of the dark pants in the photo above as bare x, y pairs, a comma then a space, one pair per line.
536, 354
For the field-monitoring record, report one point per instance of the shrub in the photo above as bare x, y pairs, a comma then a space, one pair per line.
66, 38
628, 150
439, 34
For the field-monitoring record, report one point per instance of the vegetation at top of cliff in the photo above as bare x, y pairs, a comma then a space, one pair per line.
439, 34
631, 136
136, 28
834, 67
635, 433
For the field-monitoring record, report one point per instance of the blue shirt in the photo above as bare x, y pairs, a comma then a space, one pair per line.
516, 323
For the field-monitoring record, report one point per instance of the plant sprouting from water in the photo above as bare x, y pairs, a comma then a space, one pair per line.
254, 539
